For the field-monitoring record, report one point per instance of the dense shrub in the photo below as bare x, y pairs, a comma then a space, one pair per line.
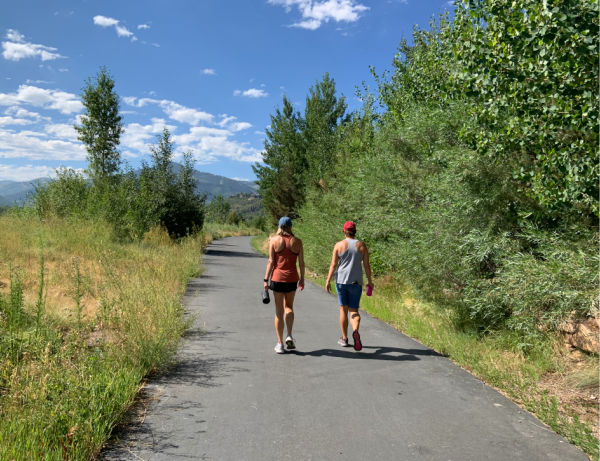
133, 203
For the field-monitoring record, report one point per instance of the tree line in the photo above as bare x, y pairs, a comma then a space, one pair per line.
162, 193
471, 170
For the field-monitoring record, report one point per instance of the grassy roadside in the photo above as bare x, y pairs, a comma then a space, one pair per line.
494, 359
83, 318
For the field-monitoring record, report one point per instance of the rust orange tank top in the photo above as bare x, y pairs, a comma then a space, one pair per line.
285, 263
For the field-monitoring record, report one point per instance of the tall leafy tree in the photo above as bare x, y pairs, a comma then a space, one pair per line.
323, 113
162, 173
101, 126
532, 68
281, 177
187, 208
170, 197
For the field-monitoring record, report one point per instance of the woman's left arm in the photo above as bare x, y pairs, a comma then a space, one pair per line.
302, 266
367, 264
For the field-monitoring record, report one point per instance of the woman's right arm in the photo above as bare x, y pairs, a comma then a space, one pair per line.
269, 263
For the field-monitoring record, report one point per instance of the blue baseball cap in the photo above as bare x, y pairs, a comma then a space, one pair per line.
285, 222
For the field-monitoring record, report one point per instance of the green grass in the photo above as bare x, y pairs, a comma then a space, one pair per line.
83, 319
496, 359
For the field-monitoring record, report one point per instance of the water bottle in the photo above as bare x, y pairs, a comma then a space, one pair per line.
369, 290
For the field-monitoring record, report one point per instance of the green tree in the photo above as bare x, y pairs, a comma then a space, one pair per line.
185, 213
531, 68
101, 126
281, 177
218, 209
162, 174
323, 113
169, 198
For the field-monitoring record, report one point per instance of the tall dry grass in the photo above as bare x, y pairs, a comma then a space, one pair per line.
109, 313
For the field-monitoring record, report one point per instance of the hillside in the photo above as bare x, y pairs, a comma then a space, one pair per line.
16, 192
12, 192
247, 206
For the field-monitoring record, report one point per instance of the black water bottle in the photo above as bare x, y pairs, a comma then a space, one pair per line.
265, 296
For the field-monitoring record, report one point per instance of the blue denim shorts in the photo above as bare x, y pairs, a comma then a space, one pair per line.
349, 294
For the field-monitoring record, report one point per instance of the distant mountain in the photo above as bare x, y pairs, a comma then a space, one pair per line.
212, 185
16, 193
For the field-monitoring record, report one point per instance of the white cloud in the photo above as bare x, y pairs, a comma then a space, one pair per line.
226, 119
26, 172
14, 35
207, 138
103, 21
174, 110
18, 116
208, 144
229, 122
185, 114
143, 26
138, 136
121, 30
36, 145
251, 93
20, 112
316, 13
17, 48
66, 103
37, 82
198, 133
209, 72
7, 121
239, 126
310, 24
62, 130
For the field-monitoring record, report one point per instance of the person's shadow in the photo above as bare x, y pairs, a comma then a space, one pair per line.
369, 353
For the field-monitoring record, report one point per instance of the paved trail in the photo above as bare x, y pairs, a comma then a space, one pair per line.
232, 398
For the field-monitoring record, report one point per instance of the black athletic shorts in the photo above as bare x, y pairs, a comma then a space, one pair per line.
283, 287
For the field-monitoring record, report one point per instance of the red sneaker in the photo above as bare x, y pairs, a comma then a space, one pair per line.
357, 343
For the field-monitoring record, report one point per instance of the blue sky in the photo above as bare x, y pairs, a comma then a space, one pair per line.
212, 71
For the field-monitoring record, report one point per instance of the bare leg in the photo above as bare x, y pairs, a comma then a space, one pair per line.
279, 316
289, 311
344, 321
354, 319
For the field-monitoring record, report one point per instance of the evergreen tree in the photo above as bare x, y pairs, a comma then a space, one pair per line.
101, 126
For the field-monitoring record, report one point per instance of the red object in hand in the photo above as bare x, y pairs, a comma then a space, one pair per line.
369, 290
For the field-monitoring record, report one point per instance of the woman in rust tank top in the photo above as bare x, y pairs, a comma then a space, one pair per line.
285, 250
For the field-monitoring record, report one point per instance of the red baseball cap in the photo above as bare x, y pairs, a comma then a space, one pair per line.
349, 225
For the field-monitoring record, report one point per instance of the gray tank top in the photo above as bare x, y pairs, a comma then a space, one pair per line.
350, 269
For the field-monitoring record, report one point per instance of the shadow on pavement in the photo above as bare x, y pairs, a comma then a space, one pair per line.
238, 254
380, 353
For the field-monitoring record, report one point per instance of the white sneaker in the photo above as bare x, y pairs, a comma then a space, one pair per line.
279, 348
289, 342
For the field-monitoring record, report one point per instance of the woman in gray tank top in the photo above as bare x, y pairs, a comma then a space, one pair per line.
349, 256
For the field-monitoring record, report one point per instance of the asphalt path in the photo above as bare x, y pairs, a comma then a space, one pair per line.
230, 397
